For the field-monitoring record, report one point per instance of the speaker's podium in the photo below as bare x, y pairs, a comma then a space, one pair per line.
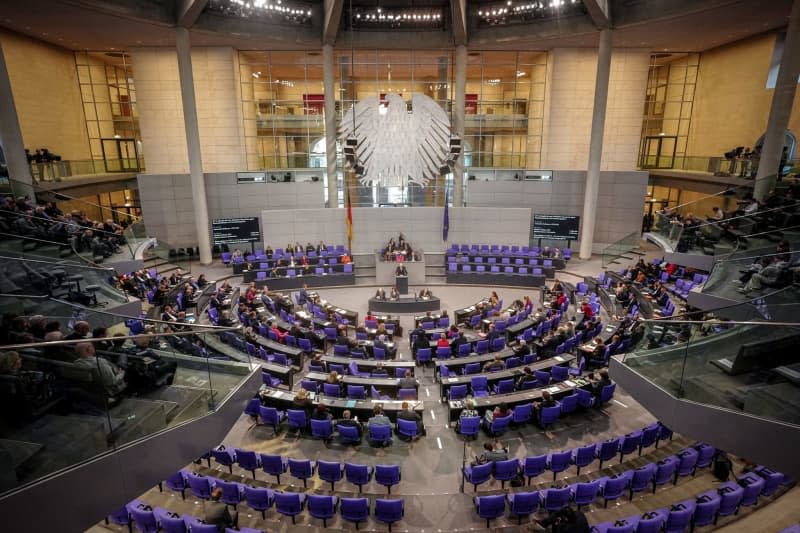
401, 282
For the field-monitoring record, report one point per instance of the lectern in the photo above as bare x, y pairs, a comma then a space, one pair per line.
401, 282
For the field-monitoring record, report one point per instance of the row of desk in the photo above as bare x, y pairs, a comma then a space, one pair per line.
282, 400
488, 278
497, 259
296, 282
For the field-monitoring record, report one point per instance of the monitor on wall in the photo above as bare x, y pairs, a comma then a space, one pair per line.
555, 227
235, 230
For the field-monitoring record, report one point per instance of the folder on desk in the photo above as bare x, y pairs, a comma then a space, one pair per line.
350, 404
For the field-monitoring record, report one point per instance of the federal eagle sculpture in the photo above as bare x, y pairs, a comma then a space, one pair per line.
397, 145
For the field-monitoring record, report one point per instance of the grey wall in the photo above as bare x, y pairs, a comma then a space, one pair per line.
373, 226
619, 204
169, 211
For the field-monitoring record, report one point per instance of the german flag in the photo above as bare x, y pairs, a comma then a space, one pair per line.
349, 221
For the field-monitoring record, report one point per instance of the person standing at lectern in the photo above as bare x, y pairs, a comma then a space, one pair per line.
401, 270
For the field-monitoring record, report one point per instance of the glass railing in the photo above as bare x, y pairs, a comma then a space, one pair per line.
669, 228
745, 366
408, 196
618, 249
164, 252
67, 402
736, 269
81, 168
739, 167
64, 279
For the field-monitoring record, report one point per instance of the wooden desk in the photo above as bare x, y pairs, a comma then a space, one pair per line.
282, 400
296, 355
557, 390
493, 377
368, 365
390, 386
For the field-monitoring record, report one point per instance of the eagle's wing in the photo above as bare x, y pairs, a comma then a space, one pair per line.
431, 125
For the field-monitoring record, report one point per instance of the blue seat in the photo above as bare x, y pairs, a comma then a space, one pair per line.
273, 464
614, 487
569, 403
705, 512
330, 471
322, 429
289, 503
687, 462
649, 436
176, 482
533, 466
641, 479
354, 392
348, 434
248, 460
490, 507
389, 511
607, 450
583, 456
407, 428
297, 420
665, 471
559, 373
472, 368
144, 519
302, 469
387, 475
358, 474
322, 507
478, 474
479, 386
522, 413
258, 499
380, 435
630, 443
354, 509
522, 504
424, 355
558, 462
505, 471
549, 415
504, 386
680, 516
224, 457
585, 493
555, 499
200, 486
457, 392
469, 426
232, 492
499, 425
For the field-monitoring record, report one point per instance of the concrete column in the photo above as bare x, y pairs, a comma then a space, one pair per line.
459, 89
193, 144
11, 136
329, 87
781, 107
596, 144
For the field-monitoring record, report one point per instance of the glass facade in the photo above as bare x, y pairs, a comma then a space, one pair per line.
108, 94
668, 105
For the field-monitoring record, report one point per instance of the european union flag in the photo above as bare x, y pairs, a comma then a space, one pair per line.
446, 221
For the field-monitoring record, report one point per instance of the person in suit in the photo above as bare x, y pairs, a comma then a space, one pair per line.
380, 294
495, 365
523, 349
395, 294
492, 334
601, 381
407, 414
527, 375
456, 343
401, 270
408, 381
302, 297
348, 421
217, 513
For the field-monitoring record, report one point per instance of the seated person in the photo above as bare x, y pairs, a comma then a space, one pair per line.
408, 414
600, 381
301, 401
493, 451
348, 421
442, 342
408, 381
395, 295
456, 343
378, 418
379, 371
380, 294
469, 411
527, 376
500, 411
345, 259
111, 376
217, 513
321, 412
523, 349
494, 365
425, 293
545, 401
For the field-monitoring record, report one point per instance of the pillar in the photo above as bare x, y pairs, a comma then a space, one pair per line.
460, 87
781, 108
596, 144
11, 137
329, 87
193, 144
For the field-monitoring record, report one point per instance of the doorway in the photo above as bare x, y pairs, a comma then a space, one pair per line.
658, 151
120, 155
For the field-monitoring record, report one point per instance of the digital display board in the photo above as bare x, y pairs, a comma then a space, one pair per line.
234, 230
555, 227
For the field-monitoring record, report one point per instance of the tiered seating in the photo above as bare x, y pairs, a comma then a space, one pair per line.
505, 259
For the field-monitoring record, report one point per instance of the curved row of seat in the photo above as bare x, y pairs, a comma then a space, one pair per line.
533, 466
303, 469
152, 520
469, 426
704, 509
291, 504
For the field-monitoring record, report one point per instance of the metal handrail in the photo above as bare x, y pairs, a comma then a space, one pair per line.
726, 322
743, 216
75, 264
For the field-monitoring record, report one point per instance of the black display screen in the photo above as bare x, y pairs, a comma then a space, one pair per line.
555, 227
234, 230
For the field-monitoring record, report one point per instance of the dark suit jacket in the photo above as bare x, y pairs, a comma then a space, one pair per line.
350, 423
217, 514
